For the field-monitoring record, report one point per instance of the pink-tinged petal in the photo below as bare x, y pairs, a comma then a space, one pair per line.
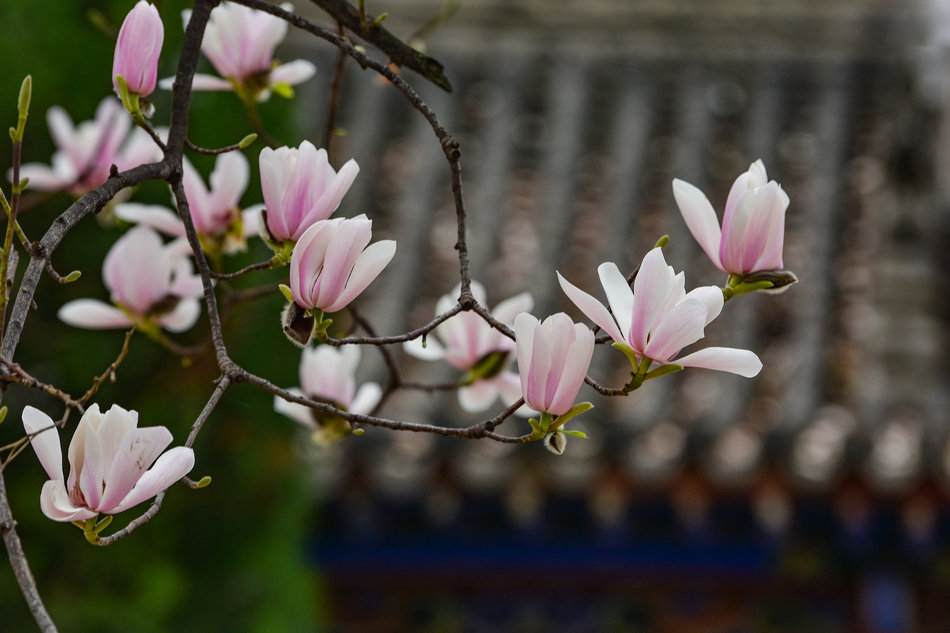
299, 195
651, 290
711, 296
700, 218
197, 195
169, 468
508, 384
734, 233
735, 361
478, 396
202, 81
558, 329
526, 327
681, 326
90, 421
575, 366
229, 179
592, 308
182, 317
536, 386
293, 73
433, 350
276, 167
93, 314
136, 271
140, 448
60, 126
184, 282
327, 373
94, 469
366, 398
619, 294
137, 49
158, 217
368, 266
139, 149
349, 240
116, 424
295, 411
771, 256
336, 188
45, 441
306, 261
56, 505
251, 221
761, 222
507, 310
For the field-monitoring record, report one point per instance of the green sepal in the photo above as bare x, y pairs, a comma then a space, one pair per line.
3, 413
379, 19
576, 410
286, 291
579, 434
663, 370
663, 241
204, 482
628, 352
283, 89
488, 366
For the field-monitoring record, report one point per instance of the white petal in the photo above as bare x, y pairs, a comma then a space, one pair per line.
700, 218
207, 82
366, 399
619, 295
293, 73
478, 396
93, 314
55, 503
140, 448
433, 350
45, 441
295, 411
593, 308
184, 316
507, 310
711, 296
158, 217
736, 361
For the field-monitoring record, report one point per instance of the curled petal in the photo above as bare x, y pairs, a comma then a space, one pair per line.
711, 297
56, 505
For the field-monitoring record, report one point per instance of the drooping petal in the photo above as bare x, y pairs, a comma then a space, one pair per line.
293, 73
366, 398
700, 218
478, 396
295, 411
93, 314
140, 448
168, 469
45, 441
158, 217
592, 308
736, 361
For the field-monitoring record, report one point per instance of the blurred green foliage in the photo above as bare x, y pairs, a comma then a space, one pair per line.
230, 557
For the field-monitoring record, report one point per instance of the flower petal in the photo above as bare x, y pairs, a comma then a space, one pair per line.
202, 81
574, 370
433, 350
139, 450
651, 290
293, 73
736, 361
56, 505
700, 218
619, 294
711, 296
592, 308
478, 396
169, 468
368, 266
93, 314
681, 326
183, 317
294, 410
366, 398
158, 217
45, 441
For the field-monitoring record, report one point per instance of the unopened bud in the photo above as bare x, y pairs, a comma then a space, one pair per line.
780, 279
203, 482
247, 140
3, 413
71, 277
555, 442
26, 93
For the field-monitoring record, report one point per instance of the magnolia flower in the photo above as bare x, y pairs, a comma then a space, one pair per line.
113, 465
471, 344
329, 266
553, 358
149, 283
214, 211
137, 49
240, 44
301, 188
753, 225
86, 152
658, 318
327, 375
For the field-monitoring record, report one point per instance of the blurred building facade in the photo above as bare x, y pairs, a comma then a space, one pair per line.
812, 498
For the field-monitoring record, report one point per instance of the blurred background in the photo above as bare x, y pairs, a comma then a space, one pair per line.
811, 498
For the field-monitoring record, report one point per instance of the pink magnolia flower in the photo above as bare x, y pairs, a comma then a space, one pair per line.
753, 225
149, 282
300, 188
329, 266
327, 375
467, 340
86, 152
113, 465
138, 48
658, 318
240, 44
553, 358
214, 211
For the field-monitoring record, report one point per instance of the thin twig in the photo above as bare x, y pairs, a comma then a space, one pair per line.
334, 97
